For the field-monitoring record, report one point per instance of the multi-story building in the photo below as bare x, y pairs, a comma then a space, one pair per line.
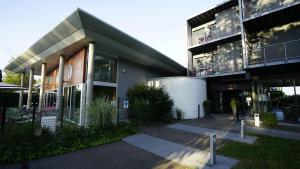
84, 58
248, 50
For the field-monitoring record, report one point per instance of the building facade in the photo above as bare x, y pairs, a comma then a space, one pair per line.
248, 50
83, 58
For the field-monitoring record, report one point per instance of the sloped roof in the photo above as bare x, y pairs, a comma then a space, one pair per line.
77, 31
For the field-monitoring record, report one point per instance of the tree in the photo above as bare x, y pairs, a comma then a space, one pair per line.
0, 75
14, 78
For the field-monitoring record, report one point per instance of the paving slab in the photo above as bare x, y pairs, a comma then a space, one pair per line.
220, 134
178, 153
273, 132
118, 155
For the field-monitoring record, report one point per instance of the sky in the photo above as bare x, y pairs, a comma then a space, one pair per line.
160, 24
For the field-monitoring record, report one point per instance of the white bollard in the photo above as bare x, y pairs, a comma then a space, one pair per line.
212, 149
256, 120
242, 129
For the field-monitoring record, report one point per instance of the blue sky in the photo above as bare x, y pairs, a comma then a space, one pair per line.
158, 23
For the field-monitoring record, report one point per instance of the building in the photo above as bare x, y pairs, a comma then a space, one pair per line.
83, 58
248, 50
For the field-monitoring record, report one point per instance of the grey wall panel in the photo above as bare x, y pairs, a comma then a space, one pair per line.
134, 74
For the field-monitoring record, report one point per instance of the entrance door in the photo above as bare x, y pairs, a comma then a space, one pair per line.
227, 96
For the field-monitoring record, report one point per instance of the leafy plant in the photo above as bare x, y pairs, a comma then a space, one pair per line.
179, 113
19, 147
156, 103
101, 113
207, 106
269, 119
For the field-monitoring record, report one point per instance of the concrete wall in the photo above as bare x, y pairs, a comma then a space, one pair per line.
187, 93
133, 74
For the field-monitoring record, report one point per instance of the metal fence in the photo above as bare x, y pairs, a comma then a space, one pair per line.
214, 34
254, 7
275, 52
218, 67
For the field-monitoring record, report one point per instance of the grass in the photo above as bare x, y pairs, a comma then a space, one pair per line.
266, 153
18, 144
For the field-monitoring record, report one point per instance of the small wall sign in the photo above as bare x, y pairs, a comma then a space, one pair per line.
125, 104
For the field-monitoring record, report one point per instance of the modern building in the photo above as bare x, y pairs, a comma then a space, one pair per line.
83, 58
248, 50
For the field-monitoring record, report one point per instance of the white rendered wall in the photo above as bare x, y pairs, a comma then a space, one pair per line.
186, 92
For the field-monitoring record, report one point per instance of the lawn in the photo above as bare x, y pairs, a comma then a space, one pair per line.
266, 153
18, 144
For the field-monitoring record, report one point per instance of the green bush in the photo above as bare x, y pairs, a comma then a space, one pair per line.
101, 113
179, 114
155, 102
18, 147
207, 106
269, 119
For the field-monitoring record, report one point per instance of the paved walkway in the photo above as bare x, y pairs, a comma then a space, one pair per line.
179, 153
220, 134
272, 132
118, 155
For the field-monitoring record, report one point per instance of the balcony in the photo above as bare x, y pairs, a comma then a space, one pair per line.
284, 52
220, 67
254, 8
214, 35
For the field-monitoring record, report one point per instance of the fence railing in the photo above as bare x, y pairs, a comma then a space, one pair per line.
275, 52
219, 67
257, 7
214, 34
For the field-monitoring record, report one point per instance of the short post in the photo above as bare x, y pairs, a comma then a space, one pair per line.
256, 120
242, 129
198, 111
212, 149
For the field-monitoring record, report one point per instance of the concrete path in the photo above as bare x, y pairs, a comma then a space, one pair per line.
273, 132
178, 153
220, 134
118, 155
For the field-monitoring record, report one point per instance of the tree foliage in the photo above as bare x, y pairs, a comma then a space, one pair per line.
14, 78
149, 103
0, 75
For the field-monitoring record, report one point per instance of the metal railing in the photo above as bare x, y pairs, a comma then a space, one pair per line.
275, 52
258, 6
220, 67
214, 34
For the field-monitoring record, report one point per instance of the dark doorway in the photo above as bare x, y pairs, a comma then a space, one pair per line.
226, 98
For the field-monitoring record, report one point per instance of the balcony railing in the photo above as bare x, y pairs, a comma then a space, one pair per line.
255, 7
275, 52
214, 34
221, 67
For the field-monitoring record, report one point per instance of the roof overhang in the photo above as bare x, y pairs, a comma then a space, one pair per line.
81, 28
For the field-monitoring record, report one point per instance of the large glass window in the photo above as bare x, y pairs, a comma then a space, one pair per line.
72, 103
105, 69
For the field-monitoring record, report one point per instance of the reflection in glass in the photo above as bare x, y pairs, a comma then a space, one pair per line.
72, 103
105, 69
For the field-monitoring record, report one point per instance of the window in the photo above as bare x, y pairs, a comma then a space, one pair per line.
150, 84
105, 69
157, 83
72, 103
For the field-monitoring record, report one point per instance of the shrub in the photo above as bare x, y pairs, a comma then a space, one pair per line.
207, 106
156, 103
140, 109
179, 114
269, 119
101, 113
